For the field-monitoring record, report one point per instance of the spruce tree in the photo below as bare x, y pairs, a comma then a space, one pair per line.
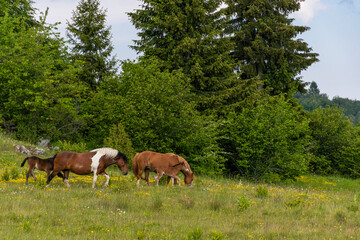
266, 44
187, 35
91, 42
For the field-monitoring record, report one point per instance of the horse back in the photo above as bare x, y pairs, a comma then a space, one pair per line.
163, 161
76, 162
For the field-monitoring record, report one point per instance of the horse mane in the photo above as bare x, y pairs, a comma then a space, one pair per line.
111, 153
186, 164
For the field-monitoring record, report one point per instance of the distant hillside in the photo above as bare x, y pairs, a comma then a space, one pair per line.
314, 99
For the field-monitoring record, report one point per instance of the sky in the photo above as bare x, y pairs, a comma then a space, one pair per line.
334, 34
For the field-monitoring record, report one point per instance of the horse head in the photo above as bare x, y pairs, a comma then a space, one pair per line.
189, 175
189, 178
121, 162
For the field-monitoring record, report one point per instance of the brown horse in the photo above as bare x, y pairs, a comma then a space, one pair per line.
95, 162
162, 163
40, 164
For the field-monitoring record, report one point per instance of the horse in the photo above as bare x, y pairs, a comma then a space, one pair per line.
95, 161
189, 178
162, 163
40, 164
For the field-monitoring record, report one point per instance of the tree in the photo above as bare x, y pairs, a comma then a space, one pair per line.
331, 133
39, 96
187, 35
313, 98
91, 42
152, 106
268, 141
119, 139
19, 9
313, 89
266, 44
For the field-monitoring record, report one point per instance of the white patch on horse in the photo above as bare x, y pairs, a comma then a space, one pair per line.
96, 161
99, 153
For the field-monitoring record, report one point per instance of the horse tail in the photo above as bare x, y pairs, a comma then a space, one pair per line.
23, 163
52, 161
134, 165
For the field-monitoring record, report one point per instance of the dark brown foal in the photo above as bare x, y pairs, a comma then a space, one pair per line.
40, 164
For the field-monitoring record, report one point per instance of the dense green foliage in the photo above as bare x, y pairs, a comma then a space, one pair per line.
212, 85
38, 88
268, 141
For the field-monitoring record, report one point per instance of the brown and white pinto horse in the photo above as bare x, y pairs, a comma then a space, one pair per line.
95, 162
40, 164
169, 164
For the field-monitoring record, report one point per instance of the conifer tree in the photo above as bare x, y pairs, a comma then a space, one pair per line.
22, 9
91, 42
187, 35
266, 44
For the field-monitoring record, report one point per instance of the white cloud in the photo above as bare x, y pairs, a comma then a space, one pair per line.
308, 10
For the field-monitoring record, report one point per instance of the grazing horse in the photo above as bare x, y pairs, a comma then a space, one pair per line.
162, 163
95, 162
189, 175
40, 164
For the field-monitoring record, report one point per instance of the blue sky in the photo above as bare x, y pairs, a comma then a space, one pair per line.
334, 34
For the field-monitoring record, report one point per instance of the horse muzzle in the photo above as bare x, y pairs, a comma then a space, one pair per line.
125, 172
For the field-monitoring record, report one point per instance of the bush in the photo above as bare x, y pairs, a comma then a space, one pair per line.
75, 147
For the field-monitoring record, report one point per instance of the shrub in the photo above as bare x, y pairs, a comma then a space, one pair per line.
243, 203
261, 192
6, 175
75, 147
195, 234
119, 139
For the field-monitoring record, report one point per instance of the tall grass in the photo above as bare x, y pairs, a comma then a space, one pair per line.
310, 208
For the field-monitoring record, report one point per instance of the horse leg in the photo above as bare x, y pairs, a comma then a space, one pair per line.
157, 178
168, 180
94, 180
107, 178
32, 174
138, 176
66, 177
147, 173
27, 176
176, 179
51, 176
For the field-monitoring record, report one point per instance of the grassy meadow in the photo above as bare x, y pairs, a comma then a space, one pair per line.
215, 208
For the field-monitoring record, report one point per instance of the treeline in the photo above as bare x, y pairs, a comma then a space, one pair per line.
313, 99
212, 84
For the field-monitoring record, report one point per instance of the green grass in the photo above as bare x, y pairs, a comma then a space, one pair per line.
215, 208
